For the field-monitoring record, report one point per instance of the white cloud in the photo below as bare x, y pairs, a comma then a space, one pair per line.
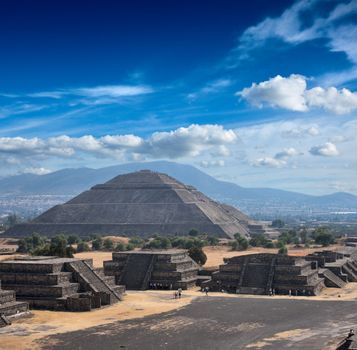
287, 153
328, 149
193, 140
291, 93
212, 163
291, 29
269, 162
36, 171
97, 95
287, 93
210, 88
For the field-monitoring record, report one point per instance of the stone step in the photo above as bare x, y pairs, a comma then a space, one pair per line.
331, 280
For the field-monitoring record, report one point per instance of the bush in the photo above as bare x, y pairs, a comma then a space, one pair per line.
212, 240
72, 239
97, 244
130, 246
239, 244
193, 232
197, 255
83, 247
258, 241
120, 247
108, 244
323, 236
283, 250
159, 243
136, 242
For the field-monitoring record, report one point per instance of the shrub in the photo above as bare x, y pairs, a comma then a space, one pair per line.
108, 244
136, 242
197, 255
283, 250
120, 247
72, 239
83, 247
97, 244
193, 232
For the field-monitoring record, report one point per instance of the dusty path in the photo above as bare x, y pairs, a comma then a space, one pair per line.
223, 323
28, 333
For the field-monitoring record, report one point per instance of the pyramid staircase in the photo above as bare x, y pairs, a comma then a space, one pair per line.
331, 280
85, 275
137, 271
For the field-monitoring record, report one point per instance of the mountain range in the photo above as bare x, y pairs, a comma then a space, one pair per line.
254, 201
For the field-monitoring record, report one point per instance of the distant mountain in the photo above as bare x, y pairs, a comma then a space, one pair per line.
252, 200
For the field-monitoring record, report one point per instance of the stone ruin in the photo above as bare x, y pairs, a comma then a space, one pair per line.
138, 204
9, 307
337, 267
141, 270
267, 273
59, 283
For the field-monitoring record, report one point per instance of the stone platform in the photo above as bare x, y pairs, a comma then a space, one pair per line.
9, 307
265, 273
59, 283
140, 270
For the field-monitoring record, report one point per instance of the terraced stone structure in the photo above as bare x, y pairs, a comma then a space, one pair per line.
342, 264
265, 273
9, 307
138, 204
59, 283
141, 270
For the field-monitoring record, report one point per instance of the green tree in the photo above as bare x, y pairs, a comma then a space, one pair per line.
83, 247
283, 250
120, 247
193, 232
73, 239
323, 237
108, 244
197, 255
97, 244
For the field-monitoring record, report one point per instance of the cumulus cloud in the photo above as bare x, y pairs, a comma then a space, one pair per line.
287, 153
328, 149
279, 160
287, 93
193, 140
291, 93
269, 162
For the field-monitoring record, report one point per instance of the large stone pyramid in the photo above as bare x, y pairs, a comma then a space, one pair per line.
138, 204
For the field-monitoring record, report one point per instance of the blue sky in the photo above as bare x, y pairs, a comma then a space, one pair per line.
257, 93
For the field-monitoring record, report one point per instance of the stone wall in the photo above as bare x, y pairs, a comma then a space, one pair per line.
173, 269
58, 283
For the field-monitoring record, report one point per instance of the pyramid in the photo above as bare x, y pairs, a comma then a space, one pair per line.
142, 203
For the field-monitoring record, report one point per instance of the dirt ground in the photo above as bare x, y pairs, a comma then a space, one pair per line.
25, 334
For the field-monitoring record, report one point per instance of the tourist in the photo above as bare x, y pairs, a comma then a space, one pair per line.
206, 290
179, 292
289, 292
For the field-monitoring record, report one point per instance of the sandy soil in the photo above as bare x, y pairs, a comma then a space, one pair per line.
117, 239
23, 333
215, 254
98, 257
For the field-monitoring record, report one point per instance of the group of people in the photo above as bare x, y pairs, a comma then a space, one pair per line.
160, 286
178, 293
